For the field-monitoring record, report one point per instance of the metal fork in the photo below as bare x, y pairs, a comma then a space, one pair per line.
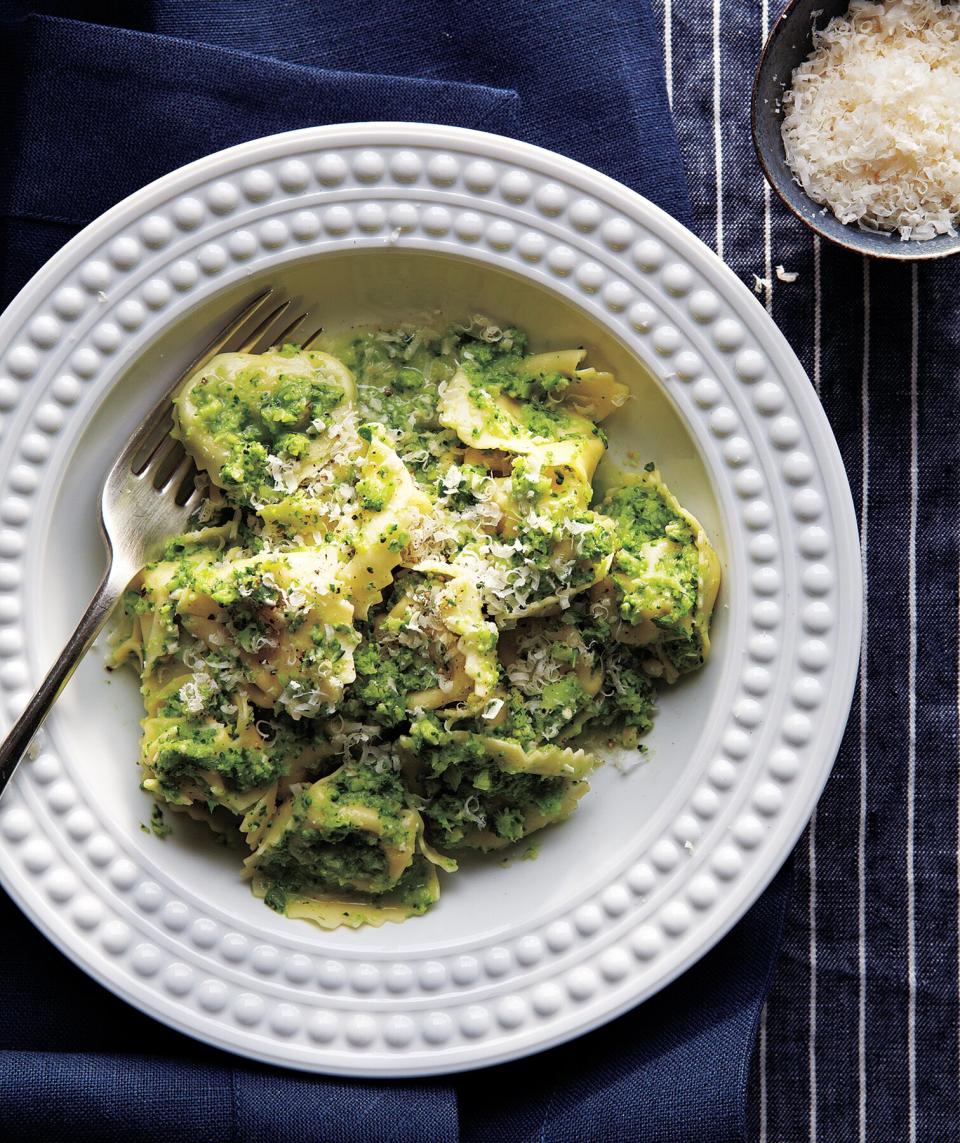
148, 496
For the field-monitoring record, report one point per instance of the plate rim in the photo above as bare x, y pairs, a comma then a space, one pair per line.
486, 146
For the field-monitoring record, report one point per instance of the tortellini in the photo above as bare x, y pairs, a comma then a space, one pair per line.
404, 620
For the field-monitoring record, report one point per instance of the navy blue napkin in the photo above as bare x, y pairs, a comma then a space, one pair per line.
99, 98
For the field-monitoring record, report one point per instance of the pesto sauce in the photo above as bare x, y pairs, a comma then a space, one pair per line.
199, 746
371, 750
252, 421
157, 826
386, 675
465, 792
668, 590
398, 373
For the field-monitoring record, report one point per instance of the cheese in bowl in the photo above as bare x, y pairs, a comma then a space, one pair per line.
409, 614
870, 125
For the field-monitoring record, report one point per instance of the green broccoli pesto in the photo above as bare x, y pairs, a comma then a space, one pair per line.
253, 415
157, 826
643, 515
403, 611
242, 408
465, 792
392, 663
188, 746
627, 698
386, 675
397, 375
684, 651
499, 367
657, 568
309, 857
322, 844
414, 892
543, 717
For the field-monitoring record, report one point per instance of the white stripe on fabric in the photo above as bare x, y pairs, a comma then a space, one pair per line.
717, 133
812, 834
817, 316
762, 1052
767, 222
762, 1046
812, 1041
912, 714
668, 48
862, 828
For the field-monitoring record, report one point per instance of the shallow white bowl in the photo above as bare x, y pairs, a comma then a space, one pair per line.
379, 222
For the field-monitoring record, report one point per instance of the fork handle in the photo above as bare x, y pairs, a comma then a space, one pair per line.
91, 623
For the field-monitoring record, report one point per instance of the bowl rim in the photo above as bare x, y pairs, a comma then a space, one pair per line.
910, 250
674, 280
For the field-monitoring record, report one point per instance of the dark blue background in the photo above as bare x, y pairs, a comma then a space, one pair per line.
859, 1038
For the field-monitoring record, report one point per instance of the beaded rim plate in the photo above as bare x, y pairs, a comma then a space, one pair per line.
794, 574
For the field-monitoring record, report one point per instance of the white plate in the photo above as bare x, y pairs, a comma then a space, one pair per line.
373, 221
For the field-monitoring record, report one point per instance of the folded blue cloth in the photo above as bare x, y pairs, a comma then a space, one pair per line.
98, 105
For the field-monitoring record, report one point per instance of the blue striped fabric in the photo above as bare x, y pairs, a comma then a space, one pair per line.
74, 1063
859, 1039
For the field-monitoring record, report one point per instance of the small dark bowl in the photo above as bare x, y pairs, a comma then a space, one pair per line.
788, 45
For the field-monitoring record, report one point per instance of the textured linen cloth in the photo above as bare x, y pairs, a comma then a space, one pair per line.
101, 98
858, 1042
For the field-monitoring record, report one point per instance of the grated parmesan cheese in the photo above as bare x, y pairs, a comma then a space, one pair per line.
870, 126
